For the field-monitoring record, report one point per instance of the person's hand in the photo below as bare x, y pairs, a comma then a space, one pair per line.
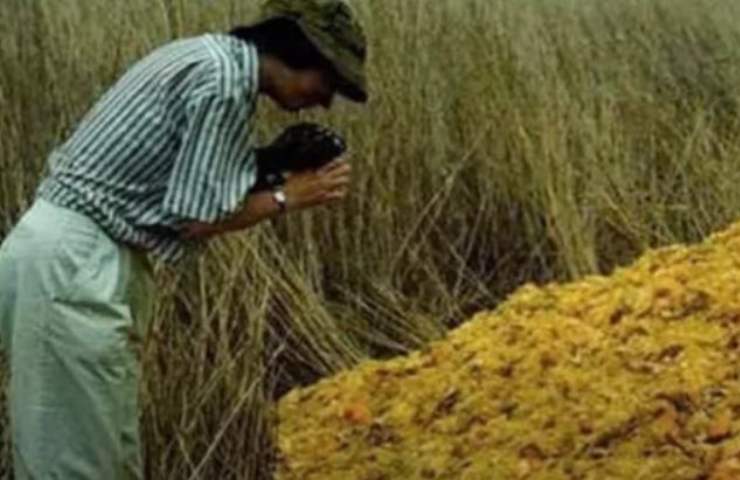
310, 188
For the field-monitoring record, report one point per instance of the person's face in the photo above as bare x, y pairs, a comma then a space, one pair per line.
306, 89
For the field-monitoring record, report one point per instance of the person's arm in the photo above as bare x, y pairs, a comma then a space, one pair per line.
214, 167
302, 190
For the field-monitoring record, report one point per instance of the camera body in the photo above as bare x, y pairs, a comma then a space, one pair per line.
303, 146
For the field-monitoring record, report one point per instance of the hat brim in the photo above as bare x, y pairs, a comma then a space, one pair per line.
350, 78
350, 90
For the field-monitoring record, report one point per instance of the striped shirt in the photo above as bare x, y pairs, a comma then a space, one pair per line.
169, 143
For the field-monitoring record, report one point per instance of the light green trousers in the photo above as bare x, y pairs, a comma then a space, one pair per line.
74, 305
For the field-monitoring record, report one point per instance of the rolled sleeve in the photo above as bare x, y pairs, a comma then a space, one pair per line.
215, 167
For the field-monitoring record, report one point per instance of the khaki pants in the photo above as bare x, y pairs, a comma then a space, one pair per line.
73, 308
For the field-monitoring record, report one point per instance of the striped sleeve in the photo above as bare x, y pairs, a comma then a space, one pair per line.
215, 166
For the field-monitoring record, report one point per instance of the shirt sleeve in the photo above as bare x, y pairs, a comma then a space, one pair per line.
215, 166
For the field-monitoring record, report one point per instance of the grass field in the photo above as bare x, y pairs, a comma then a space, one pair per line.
504, 142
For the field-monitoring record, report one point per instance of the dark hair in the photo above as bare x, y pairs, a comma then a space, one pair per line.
282, 38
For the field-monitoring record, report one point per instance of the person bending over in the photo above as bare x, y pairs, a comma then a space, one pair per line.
163, 161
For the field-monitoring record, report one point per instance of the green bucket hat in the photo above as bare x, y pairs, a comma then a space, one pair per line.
332, 27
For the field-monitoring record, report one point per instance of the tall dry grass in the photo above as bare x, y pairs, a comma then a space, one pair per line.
505, 142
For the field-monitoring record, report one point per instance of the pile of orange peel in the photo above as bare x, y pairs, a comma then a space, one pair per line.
635, 375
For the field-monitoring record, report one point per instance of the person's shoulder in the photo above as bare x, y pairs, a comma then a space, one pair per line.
186, 47
207, 66
231, 63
